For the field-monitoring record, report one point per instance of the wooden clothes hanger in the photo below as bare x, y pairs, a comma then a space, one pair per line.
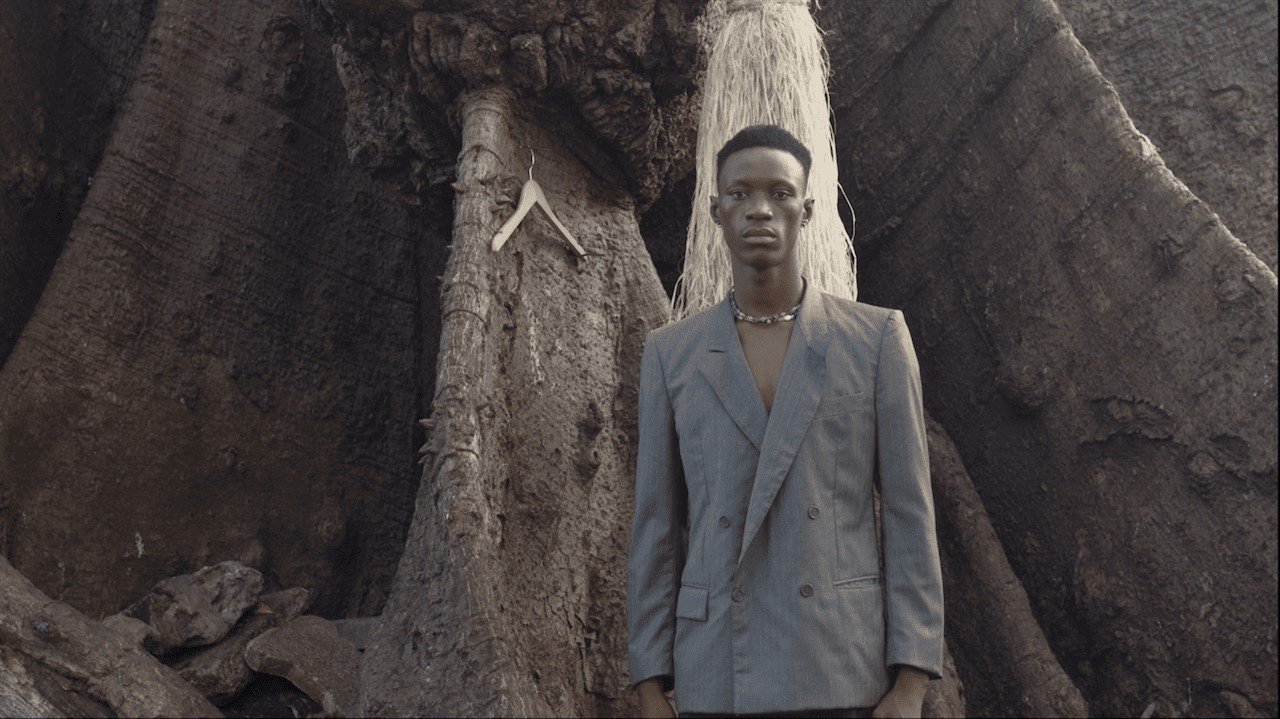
531, 194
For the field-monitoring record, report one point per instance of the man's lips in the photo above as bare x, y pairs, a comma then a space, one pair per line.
760, 232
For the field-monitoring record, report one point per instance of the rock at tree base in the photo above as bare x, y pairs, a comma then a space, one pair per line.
309, 652
52, 651
358, 631
286, 605
135, 631
219, 671
197, 609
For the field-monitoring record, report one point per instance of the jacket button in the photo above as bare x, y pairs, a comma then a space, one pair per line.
724, 521
813, 512
806, 590
737, 594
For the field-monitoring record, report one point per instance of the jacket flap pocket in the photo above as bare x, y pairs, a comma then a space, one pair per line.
692, 603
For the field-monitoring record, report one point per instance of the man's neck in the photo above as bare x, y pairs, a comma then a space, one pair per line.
761, 294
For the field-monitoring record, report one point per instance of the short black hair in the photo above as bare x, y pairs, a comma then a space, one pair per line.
770, 136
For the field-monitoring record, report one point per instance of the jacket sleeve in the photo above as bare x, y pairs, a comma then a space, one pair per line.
657, 552
913, 575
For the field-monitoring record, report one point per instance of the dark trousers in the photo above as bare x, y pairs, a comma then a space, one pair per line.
851, 713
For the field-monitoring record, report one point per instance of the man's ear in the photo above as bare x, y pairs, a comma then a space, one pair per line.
808, 209
715, 209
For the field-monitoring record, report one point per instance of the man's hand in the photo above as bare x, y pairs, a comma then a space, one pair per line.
653, 703
906, 697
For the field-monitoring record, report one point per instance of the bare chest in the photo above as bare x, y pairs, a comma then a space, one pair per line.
765, 348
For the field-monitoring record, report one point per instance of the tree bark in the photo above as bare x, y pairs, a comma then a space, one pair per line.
1101, 348
224, 363
24, 260
43, 637
945, 698
29, 689
510, 594
1009, 669
1199, 78
67, 64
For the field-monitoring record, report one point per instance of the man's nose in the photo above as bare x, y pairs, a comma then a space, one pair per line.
758, 209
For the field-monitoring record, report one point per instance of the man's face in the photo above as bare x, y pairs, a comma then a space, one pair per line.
761, 206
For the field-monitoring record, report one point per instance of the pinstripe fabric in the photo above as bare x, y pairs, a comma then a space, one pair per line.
753, 576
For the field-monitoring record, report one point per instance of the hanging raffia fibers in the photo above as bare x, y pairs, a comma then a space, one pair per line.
768, 65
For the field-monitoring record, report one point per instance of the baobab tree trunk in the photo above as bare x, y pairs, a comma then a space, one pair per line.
1100, 347
1199, 79
509, 596
223, 364
67, 63
1008, 662
24, 261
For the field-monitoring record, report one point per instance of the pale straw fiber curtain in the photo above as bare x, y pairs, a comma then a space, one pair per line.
767, 65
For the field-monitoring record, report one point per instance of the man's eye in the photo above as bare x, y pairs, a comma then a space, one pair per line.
781, 194
738, 194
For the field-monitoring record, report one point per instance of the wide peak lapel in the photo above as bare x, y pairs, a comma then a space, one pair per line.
800, 387
725, 368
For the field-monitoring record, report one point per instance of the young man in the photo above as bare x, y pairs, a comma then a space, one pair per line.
755, 585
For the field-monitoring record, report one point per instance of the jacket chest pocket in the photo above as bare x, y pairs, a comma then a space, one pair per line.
842, 404
845, 429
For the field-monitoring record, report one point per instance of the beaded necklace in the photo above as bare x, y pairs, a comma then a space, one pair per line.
784, 316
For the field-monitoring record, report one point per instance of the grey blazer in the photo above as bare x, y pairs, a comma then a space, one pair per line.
754, 577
